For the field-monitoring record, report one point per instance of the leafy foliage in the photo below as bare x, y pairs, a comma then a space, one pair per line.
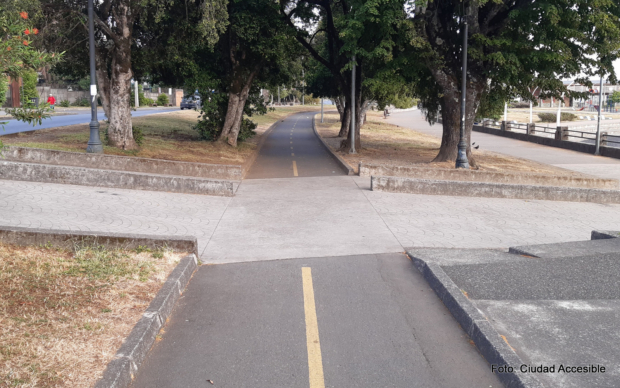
162, 99
17, 52
29, 91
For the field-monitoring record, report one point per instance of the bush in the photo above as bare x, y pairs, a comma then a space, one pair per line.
138, 135
552, 117
247, 130
521, 104
4, 88
64, 103
81, 102
162, 99
29, 87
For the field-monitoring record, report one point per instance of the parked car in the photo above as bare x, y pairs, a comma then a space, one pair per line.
192, 102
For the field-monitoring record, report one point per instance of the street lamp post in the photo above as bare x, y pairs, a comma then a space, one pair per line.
352, 149
597, 151
461, 159
94, 142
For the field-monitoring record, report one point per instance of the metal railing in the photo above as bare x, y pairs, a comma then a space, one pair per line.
610, 133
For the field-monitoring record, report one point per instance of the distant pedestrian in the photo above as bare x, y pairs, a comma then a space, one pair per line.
51, 100
386, 113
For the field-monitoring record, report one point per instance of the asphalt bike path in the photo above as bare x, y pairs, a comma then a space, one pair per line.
353, 321
14, 126
313, 319
293, 150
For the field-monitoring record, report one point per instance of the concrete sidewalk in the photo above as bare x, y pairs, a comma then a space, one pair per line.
572, 160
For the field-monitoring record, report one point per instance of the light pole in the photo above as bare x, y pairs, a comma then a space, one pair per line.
94, 142
321, 110
352, 149
597, 151
461, 159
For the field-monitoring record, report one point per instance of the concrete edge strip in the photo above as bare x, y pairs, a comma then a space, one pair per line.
344, 165
491, 190
518, 251
122, 163
120, 372
45, 173
488, 341
604, 234
462, 175
66, 238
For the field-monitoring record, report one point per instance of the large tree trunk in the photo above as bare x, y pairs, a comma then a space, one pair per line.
114, 75
451, 116
345, 120
359, 112
237, 96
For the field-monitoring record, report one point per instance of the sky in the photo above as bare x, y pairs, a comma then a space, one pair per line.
617, 67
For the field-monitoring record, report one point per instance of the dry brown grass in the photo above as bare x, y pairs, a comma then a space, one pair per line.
167, 136
64, 314
389, 144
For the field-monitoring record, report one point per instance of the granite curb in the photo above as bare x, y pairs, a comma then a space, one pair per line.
492, 190
32, 172
120, 371
488, 341
66, 238
464, 175
344, 165
122, 163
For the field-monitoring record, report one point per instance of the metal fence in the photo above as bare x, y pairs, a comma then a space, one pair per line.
610, 132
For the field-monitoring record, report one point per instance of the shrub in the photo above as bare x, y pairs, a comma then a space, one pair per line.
81, 102
522, 104
64, 103
4, 88
551, 117
29, 87
162, 99
138, 135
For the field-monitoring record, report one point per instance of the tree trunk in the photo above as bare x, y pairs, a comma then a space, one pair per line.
120, 133
345, 146
237, 96
451, 121
338, 100
114, 76
345, 120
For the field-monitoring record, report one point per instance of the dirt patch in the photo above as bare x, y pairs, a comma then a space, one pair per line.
389, 144
168, 136
65, 313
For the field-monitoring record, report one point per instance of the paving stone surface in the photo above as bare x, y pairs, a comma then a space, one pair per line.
394, 220
68, 207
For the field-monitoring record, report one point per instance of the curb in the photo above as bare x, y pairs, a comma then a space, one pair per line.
66, 238
122, 163
120, 371
463, 175
488, 341
492, 190
604, 234
336, 157
32, 172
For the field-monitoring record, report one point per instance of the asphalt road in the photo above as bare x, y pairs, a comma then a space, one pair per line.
353, 321
14, 126
293, 150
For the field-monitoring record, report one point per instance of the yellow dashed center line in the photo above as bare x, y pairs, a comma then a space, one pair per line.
315, 361
294, 168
